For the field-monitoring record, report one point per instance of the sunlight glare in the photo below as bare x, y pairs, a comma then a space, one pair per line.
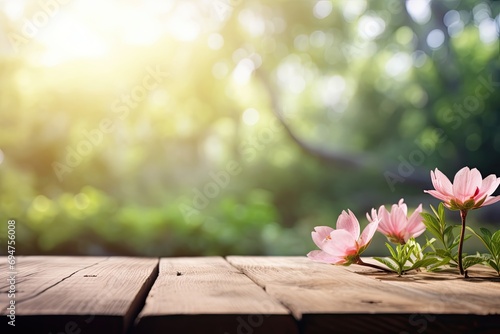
92, 29
13, 9
253, 23
70, 39
184, 25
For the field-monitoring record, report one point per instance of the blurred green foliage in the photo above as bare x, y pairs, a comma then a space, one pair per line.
395, 89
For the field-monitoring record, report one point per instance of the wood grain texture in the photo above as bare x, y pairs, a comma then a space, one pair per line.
243, 295
81, 294
327, 298
36, 274
207, 295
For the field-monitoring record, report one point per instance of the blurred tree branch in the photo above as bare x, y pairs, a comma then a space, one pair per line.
331, 157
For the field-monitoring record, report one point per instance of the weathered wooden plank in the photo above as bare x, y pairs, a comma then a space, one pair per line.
207, 295
81, 294
479, 294
37, 273
326, 298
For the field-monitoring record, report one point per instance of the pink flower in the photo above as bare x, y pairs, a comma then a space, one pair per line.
468, 191
395, 225
343, 245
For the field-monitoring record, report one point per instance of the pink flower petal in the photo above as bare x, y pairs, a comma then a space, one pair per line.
415, 226
490, 200
341, 244
376, 217
383, 225
488, 186
392, 222
465, 183
319, 235
468, 184
373, 217
441, 183
367, 234
399, 220
320, 256
438, 195
403, 206
348, 222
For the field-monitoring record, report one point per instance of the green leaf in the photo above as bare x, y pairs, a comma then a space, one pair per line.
495, 238
485, 239
428, 244
475, 233
441, 213
434, 210
448, 236
393, 253
486, 233
471, 260
457, 241
417, 253
438, 264
443, 253
430, 221
425, 263
493, 265
449, 229
495, 245
390, 263
446, 255
432, 225
400, 254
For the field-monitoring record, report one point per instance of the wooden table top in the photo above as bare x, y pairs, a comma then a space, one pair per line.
240, 294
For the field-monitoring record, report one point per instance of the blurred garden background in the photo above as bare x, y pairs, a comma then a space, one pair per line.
202, 127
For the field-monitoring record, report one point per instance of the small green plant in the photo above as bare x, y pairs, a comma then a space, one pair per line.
408, 256
448, 254
492, 243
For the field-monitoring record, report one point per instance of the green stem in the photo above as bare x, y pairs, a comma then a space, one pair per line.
361, 263
463, 215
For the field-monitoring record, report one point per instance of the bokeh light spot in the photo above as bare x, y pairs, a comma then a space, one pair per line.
399, 64
82, 201
473, 142
419, 10
322, 9
41, 203
370, 26
435, 39
215, 41
250, 116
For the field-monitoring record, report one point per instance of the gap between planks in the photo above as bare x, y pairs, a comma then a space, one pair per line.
209, 295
